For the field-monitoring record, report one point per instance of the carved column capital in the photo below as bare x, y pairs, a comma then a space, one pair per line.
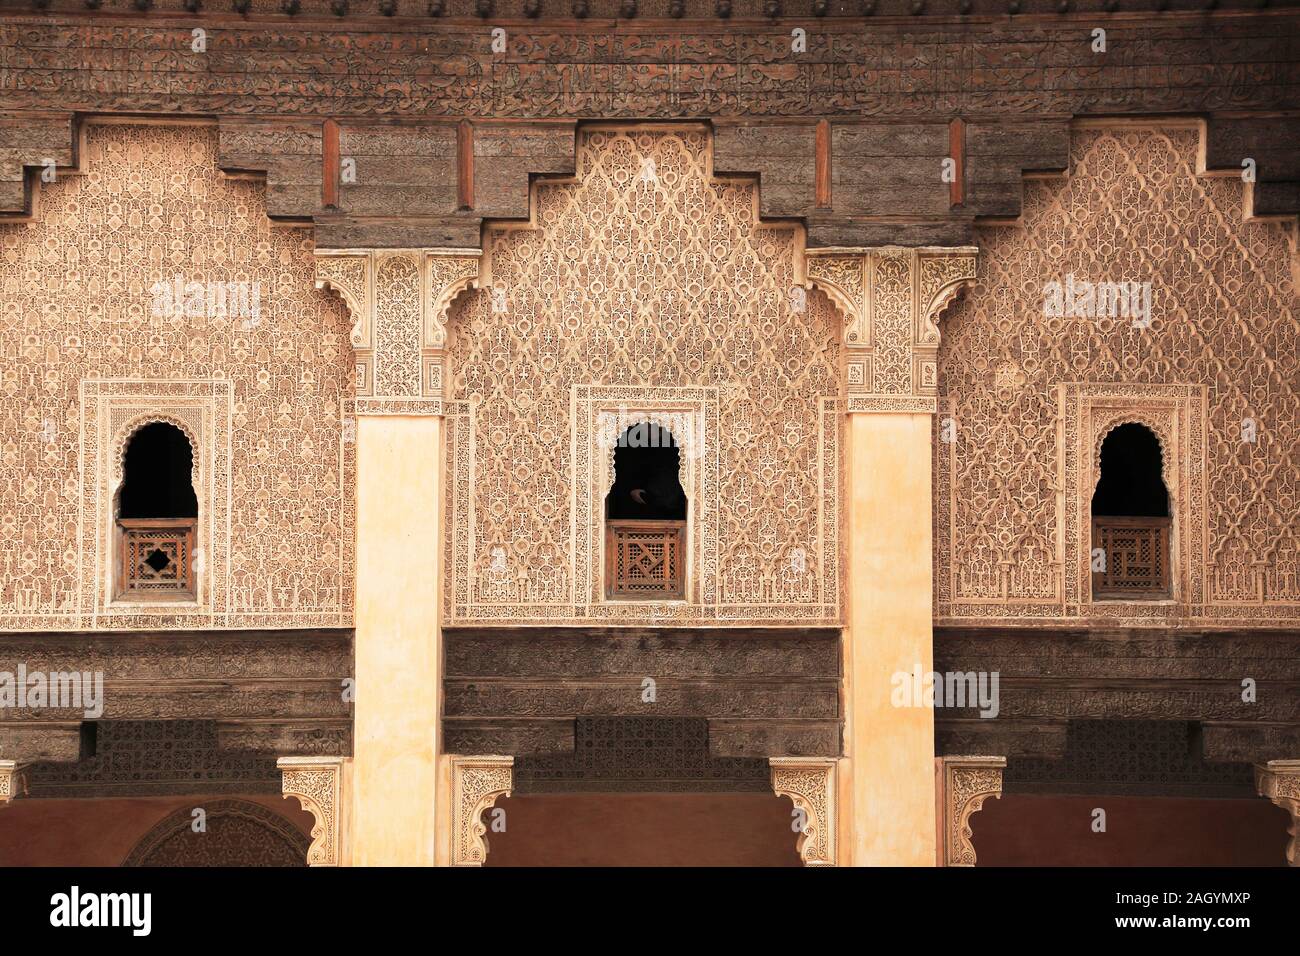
891, 297
399, 300
317, 783
1279, 781
810, 783
13, 781
964, 784
476, 782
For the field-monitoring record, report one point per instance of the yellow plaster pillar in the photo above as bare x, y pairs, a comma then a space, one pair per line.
890, 749
891, 299
398, 648
399, 299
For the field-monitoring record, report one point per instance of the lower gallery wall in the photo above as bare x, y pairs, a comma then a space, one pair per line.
1050, 830
71, 832
644, 829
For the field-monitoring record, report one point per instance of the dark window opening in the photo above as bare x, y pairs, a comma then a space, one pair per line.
157, 482
646, 483
645, 531
1130, 519
1131, 482
156, 515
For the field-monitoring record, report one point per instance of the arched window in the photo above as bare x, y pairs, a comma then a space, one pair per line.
645, 513
1130, 518
157, 512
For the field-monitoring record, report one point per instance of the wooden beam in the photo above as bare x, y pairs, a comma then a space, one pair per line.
823, 174
329, 182
957, 152
465, 165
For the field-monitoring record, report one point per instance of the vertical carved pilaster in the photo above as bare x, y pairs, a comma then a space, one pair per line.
892, 298
476, 782
1279, 781
399, 300
348, 273
810, 783
964, 784
450, 272
13, 781
317, 783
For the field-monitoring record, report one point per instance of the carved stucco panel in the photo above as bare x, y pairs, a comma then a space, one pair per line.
476, 783
1222, 339
82, 306
965, 783
810, 783
1279, 781
111, 412
891, 299
317, 784
656, 282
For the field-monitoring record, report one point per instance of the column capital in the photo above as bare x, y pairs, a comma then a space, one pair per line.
13, 781
1279, 781
317, 783
476, 783
399, 300
964, 784
891, 298
810, 783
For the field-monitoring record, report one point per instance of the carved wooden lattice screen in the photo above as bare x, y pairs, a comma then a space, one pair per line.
1136, 557
157, 557
644, 559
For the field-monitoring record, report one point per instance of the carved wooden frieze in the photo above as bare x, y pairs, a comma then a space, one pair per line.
318, 785
810, 783
399, 300
891, 299
1279, 781
1187, 63
965, 783
476, 783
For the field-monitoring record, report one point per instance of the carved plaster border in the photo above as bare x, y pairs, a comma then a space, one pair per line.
811, 783
13, 781
1177, 415
964, 784
399, 300
1279, 781
111, 410
318, 784
476, 783
891, 298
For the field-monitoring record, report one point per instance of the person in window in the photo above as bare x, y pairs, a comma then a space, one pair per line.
646, 484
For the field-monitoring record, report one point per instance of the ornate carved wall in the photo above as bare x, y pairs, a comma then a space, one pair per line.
643, 290
1031, 395
84, 356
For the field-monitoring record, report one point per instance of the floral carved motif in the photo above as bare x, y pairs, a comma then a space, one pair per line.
13, 781
399, 300
98, 340
644, 287
810, 783
317, 783
891, 298
965, 783
238, 833
476, 784
1214, 372
1279, 781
